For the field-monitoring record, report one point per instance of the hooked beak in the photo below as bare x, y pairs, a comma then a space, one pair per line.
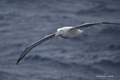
57, 33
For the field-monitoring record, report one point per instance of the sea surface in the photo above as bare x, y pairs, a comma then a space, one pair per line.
94, 55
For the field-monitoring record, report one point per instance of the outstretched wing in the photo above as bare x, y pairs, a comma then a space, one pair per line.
34, 45
91, 24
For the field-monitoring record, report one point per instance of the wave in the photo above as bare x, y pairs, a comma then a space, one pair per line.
108, 63
9, 15
98, 9
110, 30
40, 59
114, 47
62, 64
7, 76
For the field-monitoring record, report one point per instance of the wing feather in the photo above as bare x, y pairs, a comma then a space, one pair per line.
92, 24
34, 45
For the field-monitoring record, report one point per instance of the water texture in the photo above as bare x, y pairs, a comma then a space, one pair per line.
93, 54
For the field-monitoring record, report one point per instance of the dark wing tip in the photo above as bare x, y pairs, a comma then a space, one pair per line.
20, 58
110, 23
18, 61
23, 54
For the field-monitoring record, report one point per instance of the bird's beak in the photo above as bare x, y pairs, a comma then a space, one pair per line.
57, 33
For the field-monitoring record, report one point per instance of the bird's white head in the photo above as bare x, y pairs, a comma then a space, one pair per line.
60, 31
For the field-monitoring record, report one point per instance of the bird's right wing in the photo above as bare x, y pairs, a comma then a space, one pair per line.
91, 24
34, 45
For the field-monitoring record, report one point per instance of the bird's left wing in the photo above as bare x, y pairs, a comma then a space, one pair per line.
34, 45
91, 24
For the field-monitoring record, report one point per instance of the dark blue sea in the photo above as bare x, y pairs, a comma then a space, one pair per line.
93, 55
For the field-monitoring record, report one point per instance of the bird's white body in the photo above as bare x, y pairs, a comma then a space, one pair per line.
67, 33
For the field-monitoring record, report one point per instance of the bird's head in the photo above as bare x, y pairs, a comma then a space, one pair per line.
60, 31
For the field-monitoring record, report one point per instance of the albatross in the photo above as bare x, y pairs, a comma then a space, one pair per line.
65, 32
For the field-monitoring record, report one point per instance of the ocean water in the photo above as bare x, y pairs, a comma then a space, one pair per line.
94, 55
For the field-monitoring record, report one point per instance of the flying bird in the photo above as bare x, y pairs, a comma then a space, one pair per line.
65, 32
